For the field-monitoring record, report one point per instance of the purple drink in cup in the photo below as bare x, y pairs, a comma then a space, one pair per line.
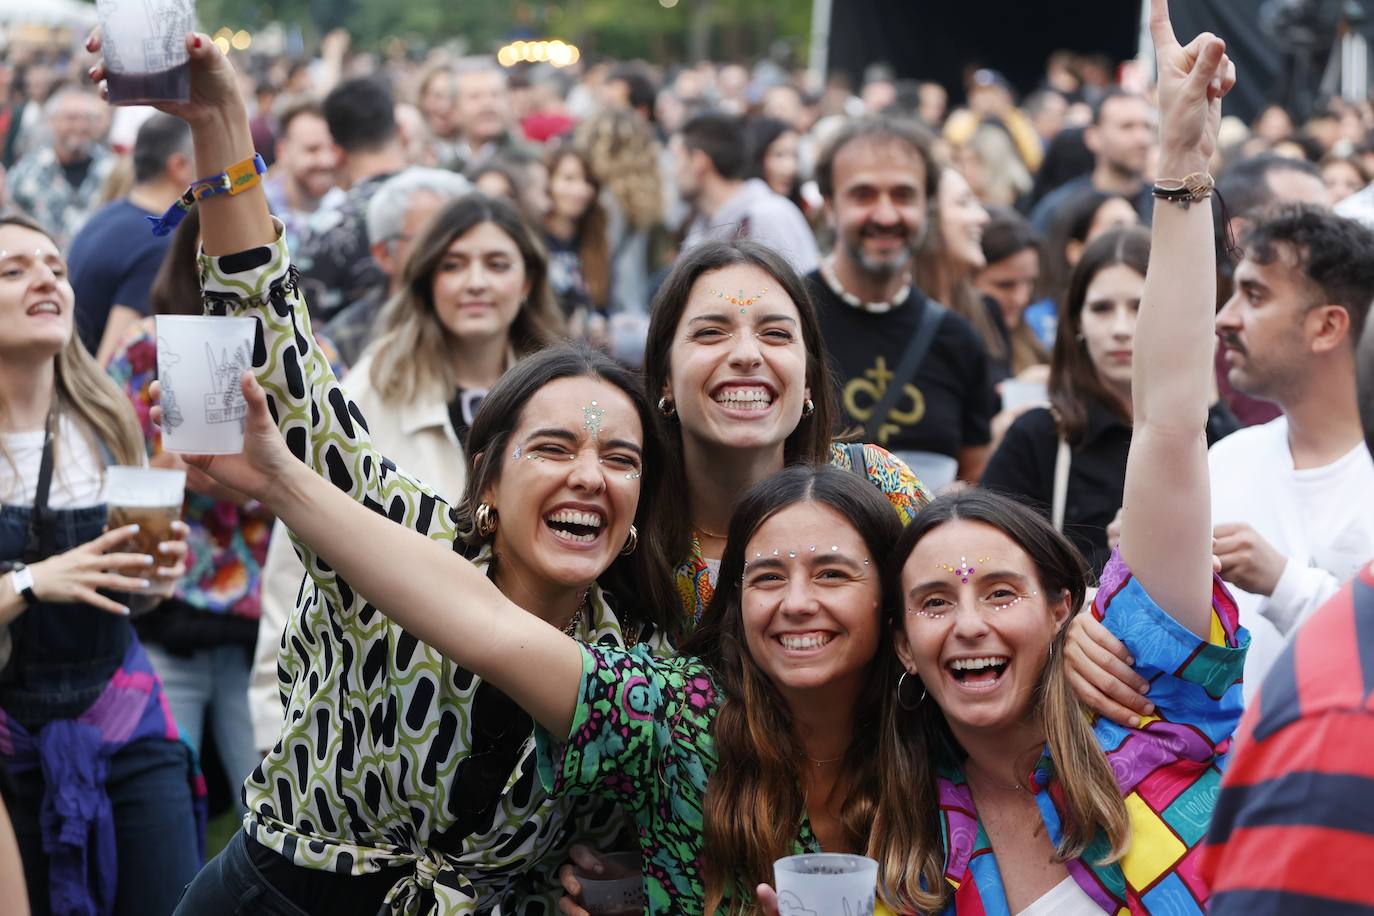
144, 44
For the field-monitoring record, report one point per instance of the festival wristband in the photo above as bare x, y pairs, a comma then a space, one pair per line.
237, 178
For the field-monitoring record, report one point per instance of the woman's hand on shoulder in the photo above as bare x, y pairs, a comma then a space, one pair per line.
214, 82
1100, 672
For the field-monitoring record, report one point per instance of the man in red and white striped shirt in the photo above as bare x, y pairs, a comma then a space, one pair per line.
1293, 831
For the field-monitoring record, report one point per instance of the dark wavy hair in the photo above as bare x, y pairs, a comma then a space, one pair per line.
638, 576
753, 800
809, 443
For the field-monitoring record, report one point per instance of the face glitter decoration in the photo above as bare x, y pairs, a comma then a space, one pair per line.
963, 570
984, 605
740, 299
591, 420
791, 554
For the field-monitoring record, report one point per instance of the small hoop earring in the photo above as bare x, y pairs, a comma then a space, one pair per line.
901, 681
631, 542
808, 408
485, 519
667, 407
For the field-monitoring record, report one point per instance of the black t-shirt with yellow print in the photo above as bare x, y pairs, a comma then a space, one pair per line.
947, 406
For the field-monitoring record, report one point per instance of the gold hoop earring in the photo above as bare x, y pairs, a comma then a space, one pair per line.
485, 520
808, 408
901, 681
631, 543
666, 406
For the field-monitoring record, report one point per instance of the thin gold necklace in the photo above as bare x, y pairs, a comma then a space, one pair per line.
821, 763
710, 534
571, 628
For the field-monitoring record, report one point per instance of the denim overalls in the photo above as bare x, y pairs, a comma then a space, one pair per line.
63, 659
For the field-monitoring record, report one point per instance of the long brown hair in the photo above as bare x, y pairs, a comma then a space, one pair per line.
910, 847
809, 443
1006, 235
411, 353
83, 390
590, 233
753, 801
1075, 383
938, 279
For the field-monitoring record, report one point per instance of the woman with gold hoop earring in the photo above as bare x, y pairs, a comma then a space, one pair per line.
557, 453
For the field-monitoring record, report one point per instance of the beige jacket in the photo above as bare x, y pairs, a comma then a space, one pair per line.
420, 439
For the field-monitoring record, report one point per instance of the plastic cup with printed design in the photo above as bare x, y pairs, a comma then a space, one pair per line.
825, 883
151, 499
618, 891
199, 361
144, 45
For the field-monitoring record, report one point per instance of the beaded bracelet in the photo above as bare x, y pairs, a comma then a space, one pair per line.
1186, 191
237, 178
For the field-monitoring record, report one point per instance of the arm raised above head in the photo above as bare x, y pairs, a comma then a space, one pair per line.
1166, 517
218, 117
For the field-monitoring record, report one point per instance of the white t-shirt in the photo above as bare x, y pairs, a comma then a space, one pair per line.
78, 478
1319, 518
1064, 899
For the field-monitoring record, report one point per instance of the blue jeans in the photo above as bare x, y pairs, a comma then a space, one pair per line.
214, 681
248, 879
155, 833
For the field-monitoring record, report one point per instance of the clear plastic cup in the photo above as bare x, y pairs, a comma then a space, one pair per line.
144, 46
619, 891
199, 361
826, 884
150, 498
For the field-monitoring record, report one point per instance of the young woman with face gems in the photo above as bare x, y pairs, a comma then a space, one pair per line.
1090, 399
735, 359
794, 648
90, 748
473, 299
400, 780
1027, 805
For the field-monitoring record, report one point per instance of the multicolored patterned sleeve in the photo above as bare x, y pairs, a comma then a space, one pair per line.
322, 426
642, 726
890, 474
1195, 684
134, 368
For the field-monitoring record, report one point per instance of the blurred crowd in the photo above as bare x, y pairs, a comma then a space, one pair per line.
976, 255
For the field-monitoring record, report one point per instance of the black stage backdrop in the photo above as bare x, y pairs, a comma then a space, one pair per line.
938, 39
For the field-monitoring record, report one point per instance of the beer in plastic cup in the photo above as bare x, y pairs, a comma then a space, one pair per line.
151, 499
618, 891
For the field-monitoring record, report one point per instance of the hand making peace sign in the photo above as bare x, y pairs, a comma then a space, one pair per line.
1193, 79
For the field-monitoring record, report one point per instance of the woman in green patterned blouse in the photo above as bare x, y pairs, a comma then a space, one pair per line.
781, 689
401, 780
